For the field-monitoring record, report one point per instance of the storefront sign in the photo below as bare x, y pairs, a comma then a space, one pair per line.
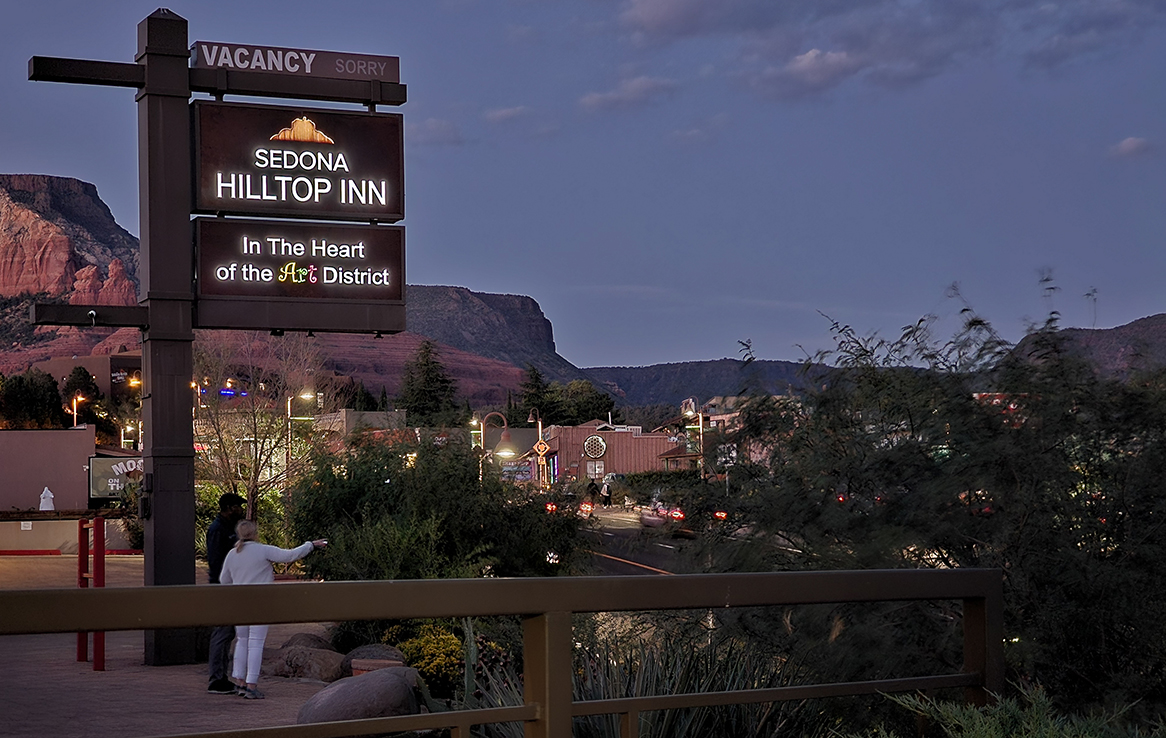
296, 62
298, 162
112, 477
307, 276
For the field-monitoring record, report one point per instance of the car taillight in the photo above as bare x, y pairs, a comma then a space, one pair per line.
721, 515
587, 507
551, 507
677, 514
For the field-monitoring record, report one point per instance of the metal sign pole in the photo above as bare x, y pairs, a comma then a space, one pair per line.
164, 181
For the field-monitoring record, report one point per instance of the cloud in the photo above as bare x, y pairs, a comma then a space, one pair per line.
1131, 147
434, 132
799, 48
503, 115
629, 93
664, 20
808, 73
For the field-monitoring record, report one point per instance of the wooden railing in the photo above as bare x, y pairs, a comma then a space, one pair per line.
546, 606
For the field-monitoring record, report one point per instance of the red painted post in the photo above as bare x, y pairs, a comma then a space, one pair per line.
82, 582
99, 581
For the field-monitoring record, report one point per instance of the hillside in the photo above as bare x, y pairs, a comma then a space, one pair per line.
58, 241
670, 384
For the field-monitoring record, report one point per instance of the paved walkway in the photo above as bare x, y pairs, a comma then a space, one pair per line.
45, 692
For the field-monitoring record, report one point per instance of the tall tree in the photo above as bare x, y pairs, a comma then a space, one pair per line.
81, 384
538, 394
427, 391
31, 400
582, 402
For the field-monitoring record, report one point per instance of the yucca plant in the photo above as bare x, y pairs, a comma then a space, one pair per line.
616, 667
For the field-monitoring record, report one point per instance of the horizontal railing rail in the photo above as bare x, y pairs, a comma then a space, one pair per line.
546, 605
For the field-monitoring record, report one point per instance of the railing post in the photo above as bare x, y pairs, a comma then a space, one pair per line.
99, 581
546, 673
984, 643
82, 581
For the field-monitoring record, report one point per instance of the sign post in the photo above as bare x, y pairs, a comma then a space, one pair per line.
359, 270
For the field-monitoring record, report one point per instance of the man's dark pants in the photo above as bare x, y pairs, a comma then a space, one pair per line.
220, 651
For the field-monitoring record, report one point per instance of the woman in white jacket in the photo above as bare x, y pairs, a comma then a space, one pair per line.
249, 562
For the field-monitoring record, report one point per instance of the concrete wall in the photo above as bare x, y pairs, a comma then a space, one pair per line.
54, 535
31, 460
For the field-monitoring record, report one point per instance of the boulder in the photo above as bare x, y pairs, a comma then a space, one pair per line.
371, 651
380, 693
298, 662
309, 640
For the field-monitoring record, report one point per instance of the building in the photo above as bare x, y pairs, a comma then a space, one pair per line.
598, 448
118, 376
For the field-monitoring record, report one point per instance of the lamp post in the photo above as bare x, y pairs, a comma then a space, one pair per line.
305, 395
692, 409
76, 398
505, 448
540, 447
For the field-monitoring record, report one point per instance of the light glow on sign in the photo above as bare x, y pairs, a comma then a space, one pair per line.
277, 160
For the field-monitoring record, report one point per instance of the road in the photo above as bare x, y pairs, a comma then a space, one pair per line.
621, 546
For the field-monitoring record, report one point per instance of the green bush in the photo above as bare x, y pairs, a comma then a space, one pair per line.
436, 653
916, 453
1032, 715
418, 510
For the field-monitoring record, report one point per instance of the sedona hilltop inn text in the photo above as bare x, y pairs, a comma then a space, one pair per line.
296, 185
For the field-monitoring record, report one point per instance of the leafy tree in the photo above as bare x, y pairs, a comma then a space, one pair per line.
95, 409
968, 453
428, 392
31, 400
581, 402
576, 402
409, 509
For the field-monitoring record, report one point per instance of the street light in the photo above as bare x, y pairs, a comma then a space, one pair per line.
76, 398
305, 395
505, 448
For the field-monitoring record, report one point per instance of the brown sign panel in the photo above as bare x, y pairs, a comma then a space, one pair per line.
298, 162
295, 62
279, 275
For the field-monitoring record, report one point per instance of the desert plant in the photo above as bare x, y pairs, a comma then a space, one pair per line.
1030, 715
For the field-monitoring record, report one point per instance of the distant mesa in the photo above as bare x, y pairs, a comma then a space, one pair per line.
302, 129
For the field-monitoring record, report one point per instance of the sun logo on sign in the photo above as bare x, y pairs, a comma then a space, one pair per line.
302, 129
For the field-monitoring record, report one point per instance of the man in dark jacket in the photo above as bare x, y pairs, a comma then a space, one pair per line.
220, 536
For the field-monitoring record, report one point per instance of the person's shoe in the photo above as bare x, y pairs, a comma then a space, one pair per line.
252, 694
221, 686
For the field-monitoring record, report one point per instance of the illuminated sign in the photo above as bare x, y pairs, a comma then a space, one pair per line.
297, 62
269, 160
264, 274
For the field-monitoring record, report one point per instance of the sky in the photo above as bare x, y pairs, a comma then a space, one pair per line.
670, 177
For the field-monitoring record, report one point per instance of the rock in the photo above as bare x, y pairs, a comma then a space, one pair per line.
371, 651
381, 693
51, 227
86, 286
298, 662
308, 640
118, 288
